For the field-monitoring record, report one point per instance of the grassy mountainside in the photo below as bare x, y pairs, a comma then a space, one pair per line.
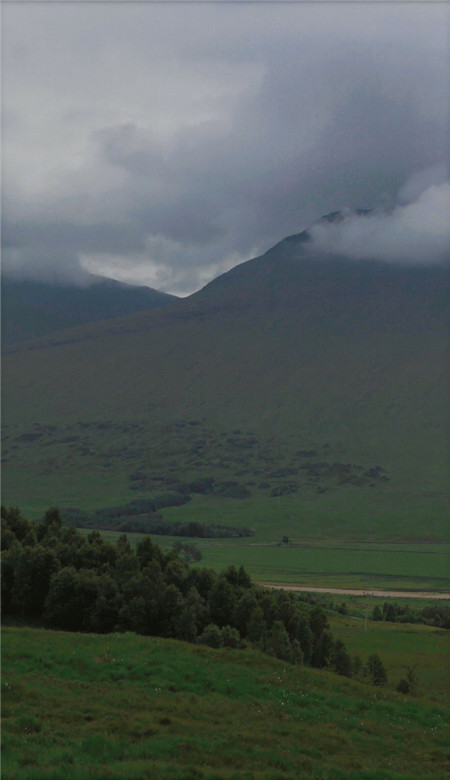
78, 706
318, 384
32, 309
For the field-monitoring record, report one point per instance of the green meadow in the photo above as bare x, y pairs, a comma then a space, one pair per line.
99, 464
80, 706
344, 529
402, 646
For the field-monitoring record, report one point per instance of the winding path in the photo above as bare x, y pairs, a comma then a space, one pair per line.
395, 594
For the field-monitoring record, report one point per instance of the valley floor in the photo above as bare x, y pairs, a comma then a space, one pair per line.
327, 566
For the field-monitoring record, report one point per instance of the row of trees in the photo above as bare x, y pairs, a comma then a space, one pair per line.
140, 516
82, 583
435, 615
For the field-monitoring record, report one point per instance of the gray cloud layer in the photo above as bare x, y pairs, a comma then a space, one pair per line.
163, 144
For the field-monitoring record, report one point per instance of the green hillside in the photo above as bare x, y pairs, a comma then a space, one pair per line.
317, 385
31, 309
82, 706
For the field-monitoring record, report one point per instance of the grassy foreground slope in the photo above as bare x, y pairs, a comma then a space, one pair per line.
324, 380
80, 706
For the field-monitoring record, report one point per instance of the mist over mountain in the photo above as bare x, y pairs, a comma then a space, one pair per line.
31, 309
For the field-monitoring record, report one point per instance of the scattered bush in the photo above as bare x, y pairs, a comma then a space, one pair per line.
403, 686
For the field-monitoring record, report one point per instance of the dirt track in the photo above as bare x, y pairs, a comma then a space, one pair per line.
396, 594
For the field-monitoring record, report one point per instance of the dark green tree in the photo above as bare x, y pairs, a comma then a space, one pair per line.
211, 636
318, 621
127, 565
203, 580
231, 575
376, 671
257, 627
306, 639
134, 616
230, 636
403, 687
322, 650
222, 601
297, 652
176, 573
341, 661
13, 523
285, 609
244, 580
266, 601
71, 597
33, 570
377, 613
198, 607
146, 551
106, 609
7, 570
51, 524
186, 624
242, 611
171, 605
278, 643
391, 613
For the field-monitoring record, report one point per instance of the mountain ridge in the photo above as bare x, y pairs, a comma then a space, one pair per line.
32, 309
299, 350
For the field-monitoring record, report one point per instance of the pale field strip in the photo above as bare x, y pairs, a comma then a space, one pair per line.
394, 594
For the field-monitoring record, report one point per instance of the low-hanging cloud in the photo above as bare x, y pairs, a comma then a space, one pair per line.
37, 264
417, 232
163, 143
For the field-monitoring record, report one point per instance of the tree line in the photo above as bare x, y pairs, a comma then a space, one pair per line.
140, 516
437, 615
67, 581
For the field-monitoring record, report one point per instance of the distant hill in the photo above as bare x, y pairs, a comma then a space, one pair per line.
32, 309
319, 380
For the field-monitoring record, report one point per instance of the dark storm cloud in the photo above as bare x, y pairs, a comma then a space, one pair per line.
166, 144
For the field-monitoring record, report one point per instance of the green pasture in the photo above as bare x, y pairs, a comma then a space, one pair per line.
333, 566
94, 463
80, 706
422, 648
325, 564
346, 513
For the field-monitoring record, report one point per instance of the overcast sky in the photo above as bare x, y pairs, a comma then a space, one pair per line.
164, 143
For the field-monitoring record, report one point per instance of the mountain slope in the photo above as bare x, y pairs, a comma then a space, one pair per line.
32, 309
346, 361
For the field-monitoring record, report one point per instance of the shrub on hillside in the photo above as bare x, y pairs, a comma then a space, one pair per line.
376, 671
